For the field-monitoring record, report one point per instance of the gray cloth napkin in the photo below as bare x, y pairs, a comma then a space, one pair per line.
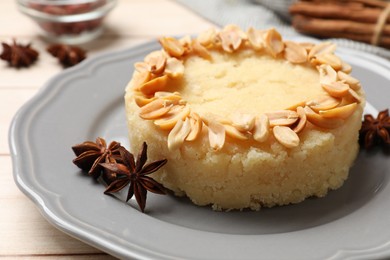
262, 14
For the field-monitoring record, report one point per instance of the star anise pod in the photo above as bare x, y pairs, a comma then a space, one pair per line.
90, 155
135, 174
18, 55
375, 130
66, 54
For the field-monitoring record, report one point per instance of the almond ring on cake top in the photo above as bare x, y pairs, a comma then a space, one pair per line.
162, 103
246, 119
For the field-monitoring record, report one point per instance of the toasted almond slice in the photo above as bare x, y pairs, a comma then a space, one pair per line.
352, 93
230, 38
154, 85
328, 58
141, 66
201, 50
256, 38
323, 103
243, 122
273, 42
140, 78
307, 45
294, 53
345, 67
320, 121
209, 117
282, 117
261, 129
294, 107
302, 120
155, 109
174, 68
196, 127
172, 46
141, 100
206, 38
336, 89
178, 134
174, 97
351, 81
327, 74
322, 48
339, 112
186, 42
287, 137
169, 120
156, 62
235, 133
217, 135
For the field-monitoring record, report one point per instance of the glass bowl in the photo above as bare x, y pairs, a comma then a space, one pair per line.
68, 21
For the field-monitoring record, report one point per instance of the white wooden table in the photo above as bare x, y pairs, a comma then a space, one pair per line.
24, 233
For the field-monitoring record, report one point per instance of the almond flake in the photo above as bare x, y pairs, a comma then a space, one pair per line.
206, 38
140, 78
351, 81
174, 68
287, 137
256, 38
273, 42
323, 103
174, 97
339, 112
235, 133
141, 67
231, 38
328, 58
294, 52
345, 67
243, 122
216, 135
352, 93
336, 89
154, 85
322, 48
172, 46
169, 120
261, 129
156, 63
141, 101
196, 127
327, 74
155, 109
302, 120
186, 42
201, 50
307, 45
282, 117
320, 121
178, 134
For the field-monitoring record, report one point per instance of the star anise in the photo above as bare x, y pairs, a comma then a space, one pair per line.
135, 174
375, 131
90, 155
66, 54
18, 55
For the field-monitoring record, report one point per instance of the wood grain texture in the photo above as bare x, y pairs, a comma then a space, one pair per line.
24, 233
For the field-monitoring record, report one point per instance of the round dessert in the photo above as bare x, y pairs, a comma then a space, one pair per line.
246, 119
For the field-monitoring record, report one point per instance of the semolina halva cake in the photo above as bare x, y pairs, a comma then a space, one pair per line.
246, 119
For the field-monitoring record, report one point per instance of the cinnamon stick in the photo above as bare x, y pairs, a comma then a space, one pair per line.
368, 3
332, 10
340, 29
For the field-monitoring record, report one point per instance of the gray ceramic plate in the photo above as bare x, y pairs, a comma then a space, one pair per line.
87, 101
